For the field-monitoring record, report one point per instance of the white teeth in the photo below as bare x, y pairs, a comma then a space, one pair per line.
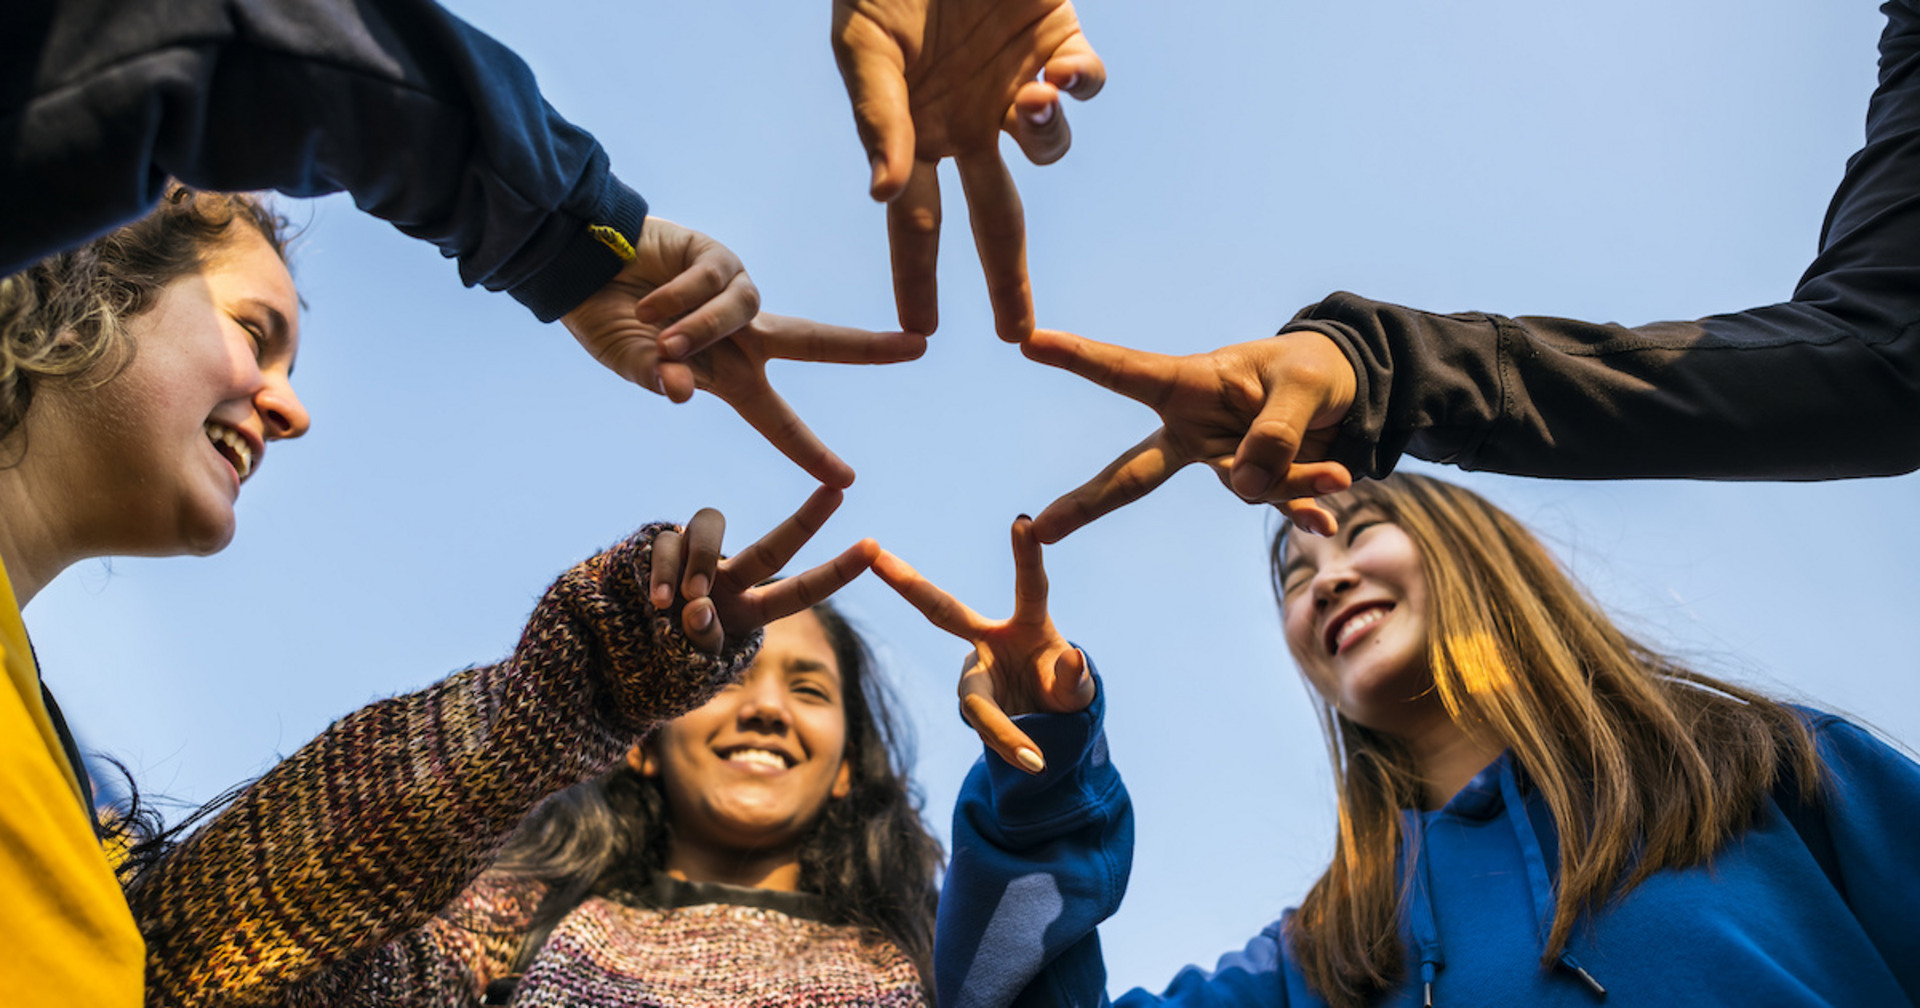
238, 451
1357, 624
758, 757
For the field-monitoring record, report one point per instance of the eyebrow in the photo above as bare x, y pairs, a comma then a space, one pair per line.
1287, 569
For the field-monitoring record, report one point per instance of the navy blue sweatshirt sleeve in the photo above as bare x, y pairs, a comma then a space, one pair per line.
1825, 385
426, 121
1038, 863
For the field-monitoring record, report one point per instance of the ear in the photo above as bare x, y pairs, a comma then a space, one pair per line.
843, 781
641, 760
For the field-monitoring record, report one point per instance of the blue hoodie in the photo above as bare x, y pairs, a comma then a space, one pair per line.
1811, 906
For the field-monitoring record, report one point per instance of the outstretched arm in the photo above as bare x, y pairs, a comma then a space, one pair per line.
370, 829
933, 79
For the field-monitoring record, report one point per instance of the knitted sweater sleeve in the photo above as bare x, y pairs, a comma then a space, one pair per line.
374, 826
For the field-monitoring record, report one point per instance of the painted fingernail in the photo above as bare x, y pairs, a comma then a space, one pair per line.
1251, 481
1029, 760
1041, 116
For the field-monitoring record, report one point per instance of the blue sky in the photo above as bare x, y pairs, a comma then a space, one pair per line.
1631, 161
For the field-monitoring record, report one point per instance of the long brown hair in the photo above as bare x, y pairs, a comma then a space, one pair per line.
65, 316
1644, 763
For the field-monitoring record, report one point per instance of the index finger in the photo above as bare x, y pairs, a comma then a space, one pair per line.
813, 586
1140, 375
1000, 236
1029, 574
940, 609
1136, 473
720, 305
806, 340
765, 411
991, 723
771, 552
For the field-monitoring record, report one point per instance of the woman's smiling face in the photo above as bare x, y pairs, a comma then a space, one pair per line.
1358, 622
169, 440
752, 769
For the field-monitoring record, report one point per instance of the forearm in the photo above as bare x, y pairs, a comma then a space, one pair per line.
426, 121
1824, 385
1038, 863
377, 824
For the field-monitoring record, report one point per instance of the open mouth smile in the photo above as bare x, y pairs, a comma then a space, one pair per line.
232, 445
1353, 623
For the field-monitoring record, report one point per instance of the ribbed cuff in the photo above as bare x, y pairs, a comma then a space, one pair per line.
585, 263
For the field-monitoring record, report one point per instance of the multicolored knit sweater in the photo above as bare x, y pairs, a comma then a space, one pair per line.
666, 944
371, 829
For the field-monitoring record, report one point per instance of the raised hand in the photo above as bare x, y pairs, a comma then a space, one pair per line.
931, 79
718, 350
1260, 414
1019, 665
726, 597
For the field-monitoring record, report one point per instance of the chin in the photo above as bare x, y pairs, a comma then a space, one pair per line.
205, 535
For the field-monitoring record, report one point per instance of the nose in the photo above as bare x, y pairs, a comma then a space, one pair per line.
281, 409
1331, 583
763, 703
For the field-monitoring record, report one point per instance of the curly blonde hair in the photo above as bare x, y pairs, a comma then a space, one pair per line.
65, 317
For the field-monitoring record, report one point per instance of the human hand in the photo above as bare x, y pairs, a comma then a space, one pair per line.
1018, 665
725, 597
719, 351
931, 79
681, 293
1261, 414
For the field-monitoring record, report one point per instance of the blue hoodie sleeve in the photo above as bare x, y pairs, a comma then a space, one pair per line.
427, 122
1038, 863
1871, 811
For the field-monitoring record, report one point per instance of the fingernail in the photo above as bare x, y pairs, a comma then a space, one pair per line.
662, 597
673, 347
1073, 81
646, 313
703, 617
1029, 760
697, 588
1041, 116
1328, 484
1251, 481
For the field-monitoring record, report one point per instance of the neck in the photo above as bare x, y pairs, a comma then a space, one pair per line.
779, 870
35, 545
1447, 759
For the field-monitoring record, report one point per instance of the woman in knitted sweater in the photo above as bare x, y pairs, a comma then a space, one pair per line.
764, 849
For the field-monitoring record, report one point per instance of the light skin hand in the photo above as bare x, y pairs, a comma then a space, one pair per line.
1262, 415
932, 79
1019, 665
726, 597
613, 325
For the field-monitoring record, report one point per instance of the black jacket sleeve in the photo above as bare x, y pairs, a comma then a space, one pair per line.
1825, 385
427, 122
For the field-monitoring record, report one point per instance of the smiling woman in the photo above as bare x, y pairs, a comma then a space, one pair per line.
141, 376
762, 849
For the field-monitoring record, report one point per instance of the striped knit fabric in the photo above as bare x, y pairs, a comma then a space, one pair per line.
705, 946
372, 828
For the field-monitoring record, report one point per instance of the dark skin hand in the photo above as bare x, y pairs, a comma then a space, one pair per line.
727, 597
933, 79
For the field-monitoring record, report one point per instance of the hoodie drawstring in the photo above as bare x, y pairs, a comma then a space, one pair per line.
1426, 930
1540, 883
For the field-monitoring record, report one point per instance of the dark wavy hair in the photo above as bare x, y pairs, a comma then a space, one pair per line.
870, 855
65, 316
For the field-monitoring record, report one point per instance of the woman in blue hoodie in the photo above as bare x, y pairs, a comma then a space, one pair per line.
1535, 809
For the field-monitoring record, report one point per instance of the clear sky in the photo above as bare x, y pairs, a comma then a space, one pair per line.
1629, 161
